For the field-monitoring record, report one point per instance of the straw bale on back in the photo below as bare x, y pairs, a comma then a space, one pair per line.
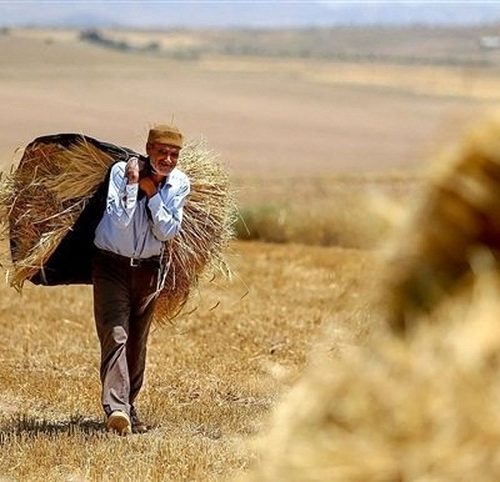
458, 215
44, 197
209, 216
55, 198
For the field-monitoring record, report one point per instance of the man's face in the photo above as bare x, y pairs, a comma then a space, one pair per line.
163, 157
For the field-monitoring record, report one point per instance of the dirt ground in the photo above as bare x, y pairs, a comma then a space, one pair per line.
266, 118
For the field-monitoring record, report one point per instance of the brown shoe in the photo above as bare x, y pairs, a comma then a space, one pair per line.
138, 426
119, 422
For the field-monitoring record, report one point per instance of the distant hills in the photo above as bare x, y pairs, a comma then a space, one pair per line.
242, 13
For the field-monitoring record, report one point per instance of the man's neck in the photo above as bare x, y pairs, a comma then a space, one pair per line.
157, 178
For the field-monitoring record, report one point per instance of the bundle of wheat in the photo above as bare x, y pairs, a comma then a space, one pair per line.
457, 215
44, 197
209, 217
53, 200
396, 409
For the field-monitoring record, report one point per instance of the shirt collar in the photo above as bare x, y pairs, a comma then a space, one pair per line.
167, 181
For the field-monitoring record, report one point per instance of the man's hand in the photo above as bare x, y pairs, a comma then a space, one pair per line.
148, 186
132, 170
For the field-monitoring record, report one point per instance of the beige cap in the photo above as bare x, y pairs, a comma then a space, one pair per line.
166, 134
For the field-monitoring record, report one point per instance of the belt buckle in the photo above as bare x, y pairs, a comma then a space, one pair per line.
134, 262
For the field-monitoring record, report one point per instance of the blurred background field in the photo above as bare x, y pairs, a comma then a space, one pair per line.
297, 132
326, 132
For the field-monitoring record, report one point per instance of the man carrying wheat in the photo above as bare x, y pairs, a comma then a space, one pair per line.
144, 208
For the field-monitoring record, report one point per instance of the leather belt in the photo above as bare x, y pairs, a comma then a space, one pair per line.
133, 262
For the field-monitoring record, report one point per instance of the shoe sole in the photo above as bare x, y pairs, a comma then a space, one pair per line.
120, 423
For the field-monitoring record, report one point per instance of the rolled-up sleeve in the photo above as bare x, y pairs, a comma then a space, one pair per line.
167, 217
122, 196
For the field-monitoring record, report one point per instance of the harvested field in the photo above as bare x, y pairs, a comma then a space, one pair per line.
386, 409
266, 118
210, 380
419, 401
334, 153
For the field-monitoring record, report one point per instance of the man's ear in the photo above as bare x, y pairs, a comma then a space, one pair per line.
148, 148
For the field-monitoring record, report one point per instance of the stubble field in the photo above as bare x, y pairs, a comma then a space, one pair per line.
212, 376
334, 151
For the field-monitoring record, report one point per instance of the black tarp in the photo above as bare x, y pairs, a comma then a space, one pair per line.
71, 262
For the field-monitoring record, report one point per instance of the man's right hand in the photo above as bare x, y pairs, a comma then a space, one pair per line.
132, 170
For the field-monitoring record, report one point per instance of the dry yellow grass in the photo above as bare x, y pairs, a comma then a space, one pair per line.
210, 375
424, 407
389, 410
356, 211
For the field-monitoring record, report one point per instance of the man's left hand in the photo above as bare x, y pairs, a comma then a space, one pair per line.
148, 186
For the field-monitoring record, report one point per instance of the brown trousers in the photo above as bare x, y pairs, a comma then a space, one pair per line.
123, 309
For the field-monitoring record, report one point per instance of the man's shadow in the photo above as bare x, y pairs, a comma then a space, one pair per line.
33, 426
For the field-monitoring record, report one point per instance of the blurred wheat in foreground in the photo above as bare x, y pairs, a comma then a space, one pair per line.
424, 407
457, 218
